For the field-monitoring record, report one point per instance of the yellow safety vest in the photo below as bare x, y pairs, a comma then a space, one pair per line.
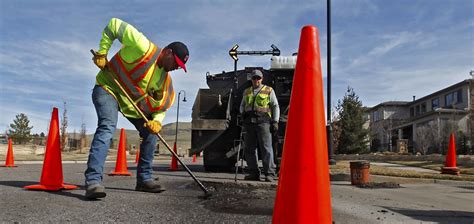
134, 66
150, 88
259, 103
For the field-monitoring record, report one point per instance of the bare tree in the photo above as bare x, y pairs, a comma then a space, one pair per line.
74, 139
426, 137
447, 127
82, 136
64, 137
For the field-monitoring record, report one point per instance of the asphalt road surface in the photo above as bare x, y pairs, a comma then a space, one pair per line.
242, 202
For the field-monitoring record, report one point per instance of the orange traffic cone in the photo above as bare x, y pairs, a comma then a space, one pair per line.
194, 158
121, 163
303, 194
450, 164
137, 156
174, 162
9, 162
52, 174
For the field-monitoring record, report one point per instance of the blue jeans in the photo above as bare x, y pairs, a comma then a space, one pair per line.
107, 113
259, 133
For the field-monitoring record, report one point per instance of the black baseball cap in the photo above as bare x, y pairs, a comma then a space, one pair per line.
181, 53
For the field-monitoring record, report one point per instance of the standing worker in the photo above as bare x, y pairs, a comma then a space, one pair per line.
142, 70
261, 113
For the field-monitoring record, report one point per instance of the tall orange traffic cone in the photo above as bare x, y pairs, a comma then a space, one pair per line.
174, 162
303, 194
121, 168
137, 156
52, 174
9, 162
194, 158
450, 164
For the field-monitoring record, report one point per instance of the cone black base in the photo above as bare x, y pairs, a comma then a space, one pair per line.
450, 170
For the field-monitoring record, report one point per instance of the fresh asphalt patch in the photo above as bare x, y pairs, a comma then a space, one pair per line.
245, 199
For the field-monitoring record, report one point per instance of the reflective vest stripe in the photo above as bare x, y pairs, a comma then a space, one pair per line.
144, 107
130, 80
170, 98
253, 106
141, 70
162, 78
265, 91
121, 30
168, 94
109, 33
119, 70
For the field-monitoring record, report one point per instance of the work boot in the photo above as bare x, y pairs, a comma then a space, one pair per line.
95, 191
149, 186
255, 177
269, 178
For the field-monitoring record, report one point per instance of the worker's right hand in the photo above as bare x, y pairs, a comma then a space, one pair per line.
274, 127
100, 60
153, 126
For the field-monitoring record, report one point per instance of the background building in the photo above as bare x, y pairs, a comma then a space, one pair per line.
424, 124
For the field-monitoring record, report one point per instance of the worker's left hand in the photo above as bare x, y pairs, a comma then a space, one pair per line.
274, 127
153, 126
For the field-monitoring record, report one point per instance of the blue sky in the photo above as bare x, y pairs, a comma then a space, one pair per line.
385, 50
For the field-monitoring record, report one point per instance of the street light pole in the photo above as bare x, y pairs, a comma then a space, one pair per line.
177, 115
328, 95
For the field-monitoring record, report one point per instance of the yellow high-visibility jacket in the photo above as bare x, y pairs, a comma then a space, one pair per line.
259, 103
134, 66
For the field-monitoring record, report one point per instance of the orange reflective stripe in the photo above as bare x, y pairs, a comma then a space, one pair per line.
150, 46
130, 80
139, 71
119, 69
168, 96
145, 107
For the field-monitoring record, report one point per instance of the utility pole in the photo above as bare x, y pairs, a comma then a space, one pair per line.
328, 114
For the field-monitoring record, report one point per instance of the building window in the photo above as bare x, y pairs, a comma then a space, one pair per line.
423, 108
412, 111
375, 115
435, 104
453, 98
417, 110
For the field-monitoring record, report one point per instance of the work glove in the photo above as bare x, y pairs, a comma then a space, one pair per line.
153, 126
274, 127
100, 60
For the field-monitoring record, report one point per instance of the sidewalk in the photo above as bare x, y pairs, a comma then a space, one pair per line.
403, 167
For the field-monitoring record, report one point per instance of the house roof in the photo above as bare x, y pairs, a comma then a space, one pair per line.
389, 103
455, 86
409, 103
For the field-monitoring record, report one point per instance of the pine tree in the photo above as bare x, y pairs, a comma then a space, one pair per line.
20, 130
352, 135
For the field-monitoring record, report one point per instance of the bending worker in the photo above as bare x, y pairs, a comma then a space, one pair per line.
142, 69
261, 113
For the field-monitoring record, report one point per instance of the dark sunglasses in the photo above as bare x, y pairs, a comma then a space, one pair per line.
256, 78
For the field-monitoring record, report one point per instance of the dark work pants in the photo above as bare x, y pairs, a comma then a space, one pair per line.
259, 133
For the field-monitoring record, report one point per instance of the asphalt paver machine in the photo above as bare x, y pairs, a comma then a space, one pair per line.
216, 122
